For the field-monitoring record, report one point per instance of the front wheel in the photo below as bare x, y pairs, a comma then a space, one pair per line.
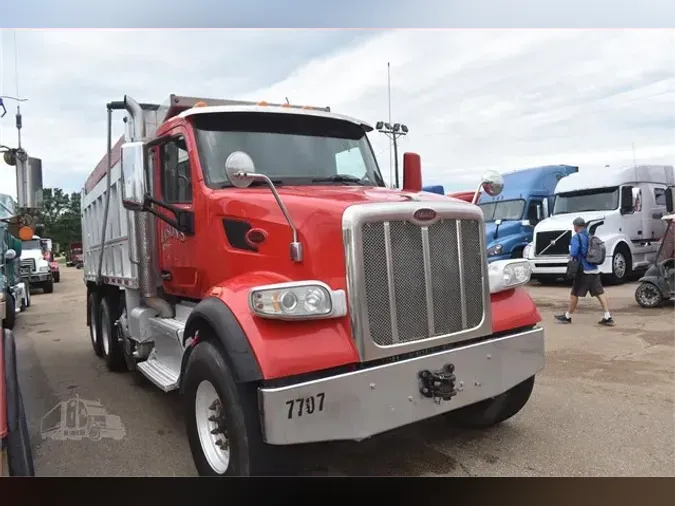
10, 312
495, 410
222, 425
621, 266
48, 286
57, 277
648, 295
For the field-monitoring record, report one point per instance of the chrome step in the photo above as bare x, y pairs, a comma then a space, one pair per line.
162, 376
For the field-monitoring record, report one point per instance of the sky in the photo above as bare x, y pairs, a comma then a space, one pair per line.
473, 99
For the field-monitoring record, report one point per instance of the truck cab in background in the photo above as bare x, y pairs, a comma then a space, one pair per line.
511, 216
35, 270
623, 207
14, 293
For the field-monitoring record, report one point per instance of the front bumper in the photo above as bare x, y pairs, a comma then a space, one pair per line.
40, 277
549, 265
360, 404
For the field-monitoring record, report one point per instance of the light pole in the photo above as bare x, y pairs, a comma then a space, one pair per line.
393, 132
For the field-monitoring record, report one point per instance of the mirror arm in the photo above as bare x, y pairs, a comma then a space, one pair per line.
175, 223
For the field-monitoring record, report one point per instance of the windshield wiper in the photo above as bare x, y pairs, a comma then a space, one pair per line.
341, 178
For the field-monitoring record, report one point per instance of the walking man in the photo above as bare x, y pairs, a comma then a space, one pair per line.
587, 278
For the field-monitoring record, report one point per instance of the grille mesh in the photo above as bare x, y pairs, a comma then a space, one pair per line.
561, 247
408, 314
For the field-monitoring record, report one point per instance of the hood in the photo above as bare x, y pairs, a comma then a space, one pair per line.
564, 221
32, 253
508, 227
317, 214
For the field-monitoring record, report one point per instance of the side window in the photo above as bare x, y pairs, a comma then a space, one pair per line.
660, 196
350, 162
175, 176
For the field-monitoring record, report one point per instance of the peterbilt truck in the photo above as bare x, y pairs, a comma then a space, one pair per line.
250, 256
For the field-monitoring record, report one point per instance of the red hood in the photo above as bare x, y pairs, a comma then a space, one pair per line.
54, 266
317, 213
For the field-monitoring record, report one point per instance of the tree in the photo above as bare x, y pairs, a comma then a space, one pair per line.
61, 217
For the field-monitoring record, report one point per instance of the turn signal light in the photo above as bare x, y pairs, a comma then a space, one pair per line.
262, 102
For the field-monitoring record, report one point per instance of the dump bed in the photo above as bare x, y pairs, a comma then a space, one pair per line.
117, 269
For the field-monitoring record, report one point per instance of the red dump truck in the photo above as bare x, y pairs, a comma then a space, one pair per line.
251, 256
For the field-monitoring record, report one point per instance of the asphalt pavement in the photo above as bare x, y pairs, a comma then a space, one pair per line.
603, 406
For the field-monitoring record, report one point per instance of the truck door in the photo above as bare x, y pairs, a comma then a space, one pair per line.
177, 259
657, 226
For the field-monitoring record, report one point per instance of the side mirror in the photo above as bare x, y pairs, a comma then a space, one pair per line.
670, 198
240, 168
544, 208
134, 180
412, 172
492, 183
10, 255
540, 212
626, 199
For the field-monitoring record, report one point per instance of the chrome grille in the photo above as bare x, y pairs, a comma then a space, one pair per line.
28, 265
544, 240
422, 282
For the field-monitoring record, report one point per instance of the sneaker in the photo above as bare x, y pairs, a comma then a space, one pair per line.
607, 321
562, 318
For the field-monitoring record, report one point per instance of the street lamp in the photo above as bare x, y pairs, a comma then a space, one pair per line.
393, 132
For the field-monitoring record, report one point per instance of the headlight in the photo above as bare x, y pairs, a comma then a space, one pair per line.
298, 300
507, 274
495, 250
526, 250
44, 268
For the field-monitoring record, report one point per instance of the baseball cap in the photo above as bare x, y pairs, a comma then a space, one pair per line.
579, 222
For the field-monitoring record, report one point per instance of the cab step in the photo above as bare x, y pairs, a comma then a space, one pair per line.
160, 374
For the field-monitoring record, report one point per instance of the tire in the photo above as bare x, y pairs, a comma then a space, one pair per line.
621, 258
207, 375
648, 295
10, 312
112, 350
95, 324
19, 452
491, 412
95, 433
57, 277
48, 286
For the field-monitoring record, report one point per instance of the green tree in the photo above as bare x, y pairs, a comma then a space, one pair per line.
61, 217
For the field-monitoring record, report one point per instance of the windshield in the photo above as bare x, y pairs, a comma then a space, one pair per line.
503, 210
32, 244
7, 207
599, 199
288, 148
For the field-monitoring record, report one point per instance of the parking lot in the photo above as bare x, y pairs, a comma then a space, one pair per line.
603, 406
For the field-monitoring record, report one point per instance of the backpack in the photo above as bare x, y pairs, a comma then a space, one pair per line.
597, 251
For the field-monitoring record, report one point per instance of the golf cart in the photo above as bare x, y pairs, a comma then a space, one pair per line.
658, 283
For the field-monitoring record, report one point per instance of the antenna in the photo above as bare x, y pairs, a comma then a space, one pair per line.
287, 101
391, 165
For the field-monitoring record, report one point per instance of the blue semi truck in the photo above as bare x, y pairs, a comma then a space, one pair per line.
510, 217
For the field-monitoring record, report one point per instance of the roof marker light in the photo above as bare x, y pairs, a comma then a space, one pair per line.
201, 103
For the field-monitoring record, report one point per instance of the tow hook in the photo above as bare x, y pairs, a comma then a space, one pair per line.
438, 385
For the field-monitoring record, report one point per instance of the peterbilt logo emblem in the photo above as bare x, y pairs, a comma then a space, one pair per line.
424, 214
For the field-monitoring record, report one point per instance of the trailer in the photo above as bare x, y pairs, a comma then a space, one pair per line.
250, 256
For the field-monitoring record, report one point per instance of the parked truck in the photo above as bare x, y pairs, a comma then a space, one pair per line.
35, 270
14, 293
250, 256
511, 216
74, 255
623, 207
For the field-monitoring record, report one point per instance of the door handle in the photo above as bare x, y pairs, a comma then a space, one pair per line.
166, 275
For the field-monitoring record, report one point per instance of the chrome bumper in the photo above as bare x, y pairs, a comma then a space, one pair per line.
363, 403
41, 277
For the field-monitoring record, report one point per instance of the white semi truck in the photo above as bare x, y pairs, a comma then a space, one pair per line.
623, 207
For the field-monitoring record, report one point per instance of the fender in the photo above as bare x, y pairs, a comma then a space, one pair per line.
513, 309
280, 348
230, 335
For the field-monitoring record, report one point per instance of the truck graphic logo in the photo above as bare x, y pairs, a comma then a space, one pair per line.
77, 419
424, 214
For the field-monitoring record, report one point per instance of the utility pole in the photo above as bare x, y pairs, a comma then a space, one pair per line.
393, 132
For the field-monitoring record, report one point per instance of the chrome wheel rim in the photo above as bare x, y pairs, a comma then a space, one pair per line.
649, 295
92, 326
619, 265
211, 428
105, 338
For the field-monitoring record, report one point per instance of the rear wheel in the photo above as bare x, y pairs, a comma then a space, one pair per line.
222, 419
10, 312
113, 353
648, 295
495, 410
95, 324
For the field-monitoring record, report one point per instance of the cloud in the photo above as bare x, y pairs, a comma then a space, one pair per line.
473, 99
